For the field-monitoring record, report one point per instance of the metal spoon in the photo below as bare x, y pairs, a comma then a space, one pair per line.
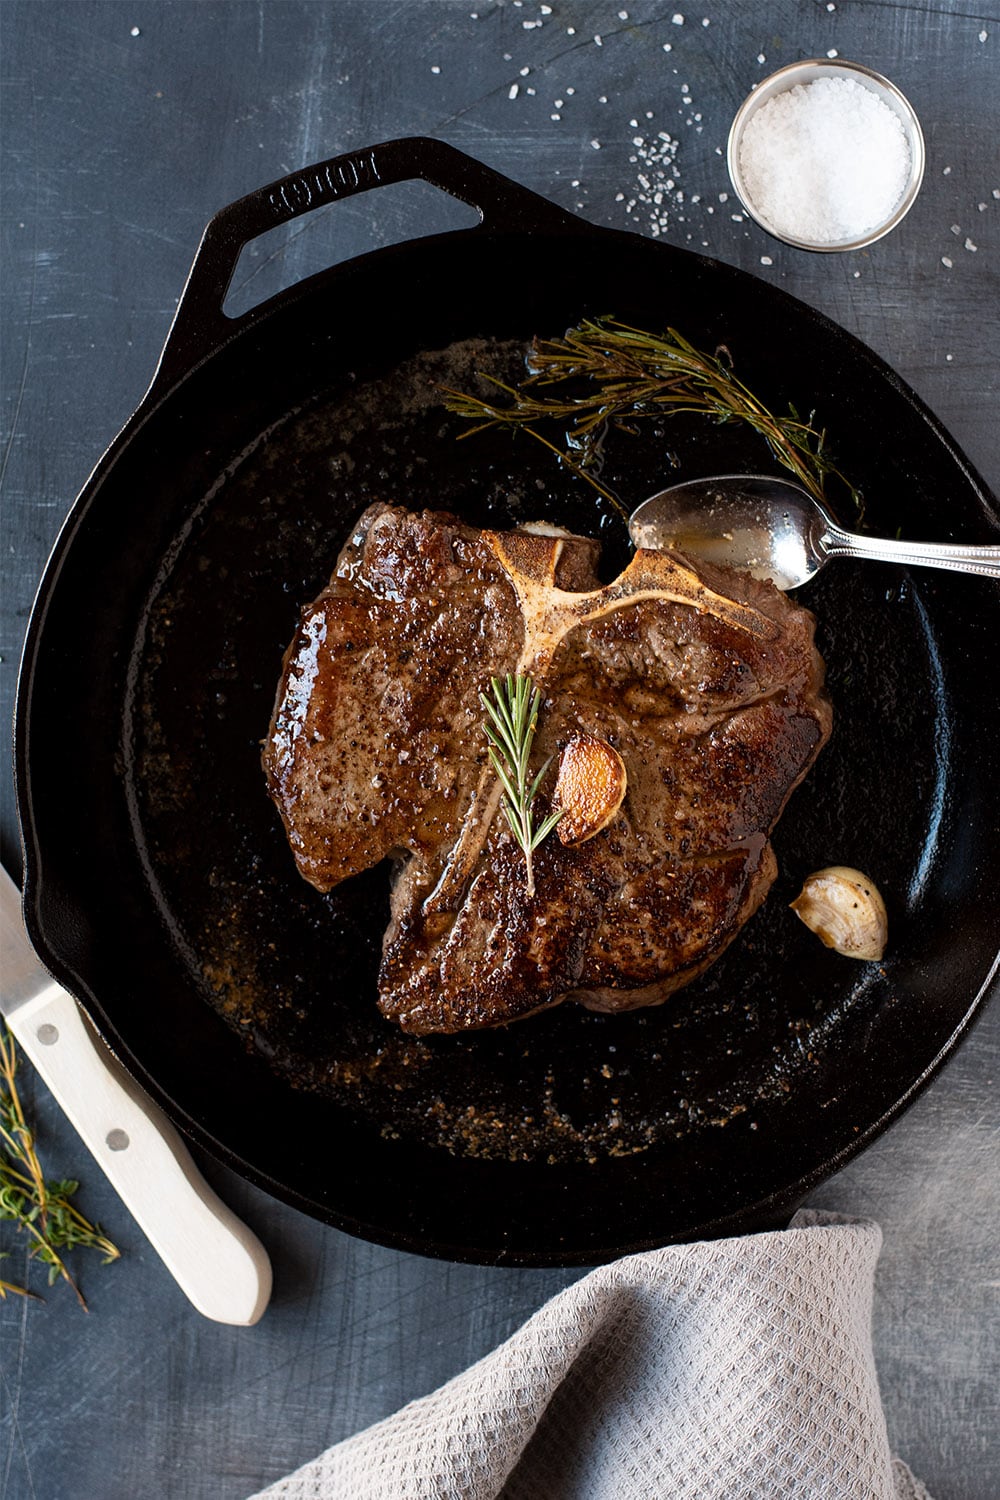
774, 529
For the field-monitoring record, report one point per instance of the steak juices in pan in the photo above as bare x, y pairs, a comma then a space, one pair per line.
699, 687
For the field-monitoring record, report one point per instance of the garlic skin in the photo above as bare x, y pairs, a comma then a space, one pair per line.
845, 910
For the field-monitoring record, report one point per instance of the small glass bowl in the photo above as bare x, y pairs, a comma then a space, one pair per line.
808, 72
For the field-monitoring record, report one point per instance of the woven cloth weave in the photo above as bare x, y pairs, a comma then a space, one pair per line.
722, 1370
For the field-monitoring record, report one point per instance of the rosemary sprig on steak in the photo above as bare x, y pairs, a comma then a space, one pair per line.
512, 706
604, 373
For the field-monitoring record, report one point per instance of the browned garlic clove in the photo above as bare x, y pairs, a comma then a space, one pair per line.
845, 910
590, 788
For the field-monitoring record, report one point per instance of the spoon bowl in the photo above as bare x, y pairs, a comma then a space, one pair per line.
774, 529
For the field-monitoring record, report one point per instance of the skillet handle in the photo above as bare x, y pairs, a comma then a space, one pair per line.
200, 326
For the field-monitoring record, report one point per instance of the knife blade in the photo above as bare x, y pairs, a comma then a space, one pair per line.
216, 1260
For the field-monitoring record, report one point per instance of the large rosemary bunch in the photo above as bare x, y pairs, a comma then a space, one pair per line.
604, 373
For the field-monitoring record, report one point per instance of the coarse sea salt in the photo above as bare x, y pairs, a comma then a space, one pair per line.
825, 162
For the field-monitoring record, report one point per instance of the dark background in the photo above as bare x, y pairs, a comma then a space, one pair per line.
125, 127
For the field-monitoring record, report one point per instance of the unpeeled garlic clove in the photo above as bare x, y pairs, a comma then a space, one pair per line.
845, 910
590, 788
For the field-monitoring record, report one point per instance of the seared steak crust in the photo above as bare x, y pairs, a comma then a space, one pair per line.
705, 681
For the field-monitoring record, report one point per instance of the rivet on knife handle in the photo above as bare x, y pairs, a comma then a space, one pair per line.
216, 1260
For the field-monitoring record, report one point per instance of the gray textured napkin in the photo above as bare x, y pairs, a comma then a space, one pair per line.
723, 1370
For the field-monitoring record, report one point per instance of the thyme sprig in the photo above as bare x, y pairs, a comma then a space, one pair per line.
512, 708
40, 1208
604, 373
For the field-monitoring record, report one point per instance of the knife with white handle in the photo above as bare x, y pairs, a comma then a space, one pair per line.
216, 1260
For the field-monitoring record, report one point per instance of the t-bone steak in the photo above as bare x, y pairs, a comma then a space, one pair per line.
705, 681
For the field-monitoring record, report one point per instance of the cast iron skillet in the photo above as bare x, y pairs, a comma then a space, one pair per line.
159, 888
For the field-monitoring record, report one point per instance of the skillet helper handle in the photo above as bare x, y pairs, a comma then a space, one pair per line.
200, 326
216, 1260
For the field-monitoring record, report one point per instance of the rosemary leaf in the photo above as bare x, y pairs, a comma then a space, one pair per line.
546, 828
536, 784
499, 766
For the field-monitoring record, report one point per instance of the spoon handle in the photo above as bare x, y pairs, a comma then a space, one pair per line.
982, 560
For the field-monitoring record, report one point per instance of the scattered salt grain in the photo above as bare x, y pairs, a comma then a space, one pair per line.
983, 35
678, 19
761, 58
656, 193
667, 47
833, 52
766, 260
435, 69
970, 246
946, 260
512, 91
825, 161
135, 31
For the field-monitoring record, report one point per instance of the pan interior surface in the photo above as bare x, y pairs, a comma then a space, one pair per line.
247, 1000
